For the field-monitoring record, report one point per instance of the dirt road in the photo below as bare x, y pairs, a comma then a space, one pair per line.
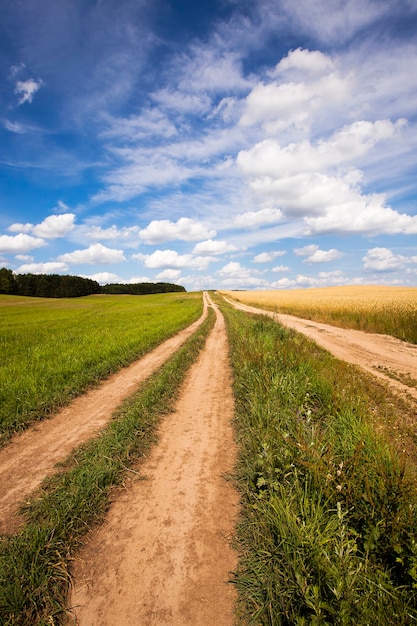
163, 554
377, 354
33, 454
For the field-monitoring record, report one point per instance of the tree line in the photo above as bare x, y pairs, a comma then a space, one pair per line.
57, 286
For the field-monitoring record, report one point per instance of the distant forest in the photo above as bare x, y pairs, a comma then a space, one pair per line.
57, 286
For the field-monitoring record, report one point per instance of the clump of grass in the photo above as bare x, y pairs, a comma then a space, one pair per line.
34, 564
328, 533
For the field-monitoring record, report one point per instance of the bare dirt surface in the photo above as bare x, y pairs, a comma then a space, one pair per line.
163, 555
33, 454
375, 353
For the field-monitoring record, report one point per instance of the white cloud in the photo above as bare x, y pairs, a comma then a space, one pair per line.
150, 123
324, 279
297, 100
182, 102
55, 226
316, 183
96, 253
168, 275
52, 226
19, 243
20, 228
384, 260
280, 268
185, 229
24, 257
113, 232
315, 62
269, 158
104, 278
313, 254
14, 127
267, 257
27, 89
171, 259
235, 275
213, 247
252, 219
234, 268
51, 267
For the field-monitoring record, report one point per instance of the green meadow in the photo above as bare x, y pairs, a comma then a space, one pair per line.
53, 349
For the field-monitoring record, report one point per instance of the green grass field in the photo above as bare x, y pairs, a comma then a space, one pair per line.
53, 349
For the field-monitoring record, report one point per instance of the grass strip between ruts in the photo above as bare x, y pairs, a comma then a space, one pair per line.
328, 528
34, 564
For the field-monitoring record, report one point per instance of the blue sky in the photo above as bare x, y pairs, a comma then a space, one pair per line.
236, 144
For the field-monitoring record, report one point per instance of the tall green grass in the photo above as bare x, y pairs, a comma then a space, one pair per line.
328, 532
34, 564
52, 350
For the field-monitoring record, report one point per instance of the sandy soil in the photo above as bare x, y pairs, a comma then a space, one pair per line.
375, 353
163, 555
33, 454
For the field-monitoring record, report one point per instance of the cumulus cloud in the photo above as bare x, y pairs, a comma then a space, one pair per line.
51, 267
169, 275
171, 259
19, 243
96, 253
104, 278
234, 275
51, 227
323, 279
211, 246
384, 260
185, 229
293, 101
313, 254
280, 268
252, 219
317, 183
55, 226
267, 257
26, 89
311, 61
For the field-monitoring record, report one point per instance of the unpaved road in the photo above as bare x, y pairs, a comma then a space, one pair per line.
163, 555
33, 454
375, 353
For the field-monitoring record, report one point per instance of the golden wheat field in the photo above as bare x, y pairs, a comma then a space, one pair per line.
373, 308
